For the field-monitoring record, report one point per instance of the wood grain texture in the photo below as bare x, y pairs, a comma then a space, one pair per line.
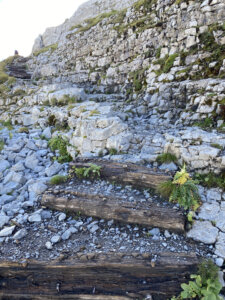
124, 276
101, 206
126, 173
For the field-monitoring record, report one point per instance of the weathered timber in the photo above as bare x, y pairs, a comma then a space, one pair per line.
93, 275
61, 297
102, 206
126, 173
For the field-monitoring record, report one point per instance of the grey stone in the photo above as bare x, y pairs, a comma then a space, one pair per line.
37, 188
9, 187
53, 169
46, 214
66, 235
220, 220
219, 261
20, 234
48, 245
6, 199
36, 217
18, 167
220, 245
167, 234
3, 220
4, 164
213, 195
203, 232
209, 211
154, 231
7, 231
31, 162
94, 228
79, 224
47, 133
170, 166
55, 239
62, 217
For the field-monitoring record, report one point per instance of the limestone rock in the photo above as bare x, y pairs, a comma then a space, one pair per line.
203, 232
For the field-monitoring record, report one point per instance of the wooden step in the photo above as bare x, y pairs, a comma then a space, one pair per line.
110, 207
98, 276
124, 173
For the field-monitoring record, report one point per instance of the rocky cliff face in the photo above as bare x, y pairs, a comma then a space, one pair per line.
164, 60
87, 10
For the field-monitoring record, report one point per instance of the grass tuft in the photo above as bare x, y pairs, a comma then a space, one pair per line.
166, 158
58, 179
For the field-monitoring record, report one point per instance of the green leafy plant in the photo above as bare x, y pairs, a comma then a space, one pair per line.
92, 172
205, 285
211, 180
166, 158
58, 143
57, 179
181, 189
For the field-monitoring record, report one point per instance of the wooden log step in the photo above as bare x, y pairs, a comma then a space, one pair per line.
105, 207
126, 173
95, 276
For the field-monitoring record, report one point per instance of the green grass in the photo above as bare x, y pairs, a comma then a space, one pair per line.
94, 112
19, 92
113, 151
166, 63
217, 146
138, 78
93, 22
52, 48
58, 143
2, 144
58, 179
7, 124
166, 158
211, 180
146, 4
3, 64
23, 130
206, 123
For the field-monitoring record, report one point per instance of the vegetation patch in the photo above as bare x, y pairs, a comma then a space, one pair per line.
89, 23
51, 48
206, 123
218, 146
205, 285
58, 143
7, 124
166, 158
182, 189
2, 144
23, 130
58, 179
93, 171
211, 180
3, 64
138, 79
145, 5
19, 92
166, 63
